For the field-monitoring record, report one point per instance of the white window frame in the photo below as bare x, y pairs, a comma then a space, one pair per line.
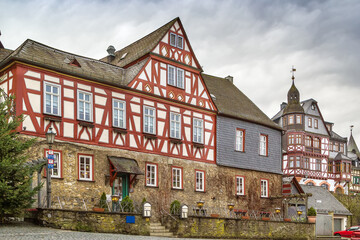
57, 158
197, 129
174, 132
176, 37
176, 180
119, 110
263, 145
264, 188
175, 79
90, 177
151, 181
291, 120
310, 122
316, 123
199, 181
151, 118
83, 102
240, 186
52, 100
239, 140
180, 81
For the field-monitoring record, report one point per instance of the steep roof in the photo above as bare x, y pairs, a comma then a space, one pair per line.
4, 53
39, 54
337, 137
352, 145
230, 101
323, 201
306, 104
141, 47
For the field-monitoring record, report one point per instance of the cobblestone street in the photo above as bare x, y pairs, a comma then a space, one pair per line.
30, 231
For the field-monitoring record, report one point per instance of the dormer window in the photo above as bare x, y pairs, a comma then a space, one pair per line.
176, 40
313, 106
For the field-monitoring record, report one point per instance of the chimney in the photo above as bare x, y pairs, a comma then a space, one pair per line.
111, 52
230, 78
283, 105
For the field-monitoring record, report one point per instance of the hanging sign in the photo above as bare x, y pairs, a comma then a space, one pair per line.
51, 156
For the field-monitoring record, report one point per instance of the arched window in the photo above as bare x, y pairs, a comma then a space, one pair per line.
310, 184
339, 190
325, 186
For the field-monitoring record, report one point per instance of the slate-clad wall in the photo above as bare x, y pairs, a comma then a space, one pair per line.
250, 159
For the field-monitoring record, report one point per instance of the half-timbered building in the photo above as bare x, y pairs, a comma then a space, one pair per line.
354, 155
140, 122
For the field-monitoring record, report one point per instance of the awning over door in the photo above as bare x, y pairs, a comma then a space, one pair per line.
125, 165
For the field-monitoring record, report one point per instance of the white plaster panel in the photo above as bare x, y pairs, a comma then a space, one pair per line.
197, 155
198, 115
32, 84
149, 103
69, 93
35, 102
100, 100
143, 76
187, 133
208, 125
84, 136
84, 87
193, 101
28, 123
176, 25
96, 131
200, 86
156, 50
68, 130
107, 120
148, 69
118, 95
52, 79
174, 109
10, 74
3, 77
132, 141
208, 118
104, 136
98, 115
185, 152
156, 91
160, 128
68, 83
32, 74
186, 120
187, 112
193, 63
99, 90
149, 146
207, 137
166, 38
135, 108
24, 106
210, 155
139, 87
187, 98
161, 114
175, 151
163, 77
10, 84
137, 123
119, 141
163, 91
135, 99
165, 146
162, 106
187, 85
68, 110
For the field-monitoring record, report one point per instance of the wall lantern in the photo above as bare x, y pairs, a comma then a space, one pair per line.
147, 209
299, 212
200, 204
231, 206
115, 198
50, 136
277, 210
184, 211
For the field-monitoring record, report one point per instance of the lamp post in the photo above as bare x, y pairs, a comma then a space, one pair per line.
50, 137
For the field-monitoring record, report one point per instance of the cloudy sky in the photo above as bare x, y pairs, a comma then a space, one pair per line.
255, 41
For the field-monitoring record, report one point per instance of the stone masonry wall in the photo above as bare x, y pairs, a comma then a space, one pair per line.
219, 181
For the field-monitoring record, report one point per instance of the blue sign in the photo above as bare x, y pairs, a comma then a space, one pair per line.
130, 219
50, 166
51, 156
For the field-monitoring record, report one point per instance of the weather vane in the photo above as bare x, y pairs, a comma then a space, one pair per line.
292, 71
351, 128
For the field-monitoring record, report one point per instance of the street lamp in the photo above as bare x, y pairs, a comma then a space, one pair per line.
50, 137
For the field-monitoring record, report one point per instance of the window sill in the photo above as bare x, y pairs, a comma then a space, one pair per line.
199, 191
263, 155
120, 130
175, 140
150, 135
239, 151
149, 186
84, 180
264, 197
50, 117
240, 195
86, 124
175, 86
178, 189
198, 145
60, 178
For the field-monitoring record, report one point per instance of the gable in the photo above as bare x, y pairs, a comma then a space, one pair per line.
312, 113
176, 46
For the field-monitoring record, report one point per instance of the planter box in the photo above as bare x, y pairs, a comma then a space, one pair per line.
311, 219
265, 218
245, 217
95, 209
287, 219
214, 215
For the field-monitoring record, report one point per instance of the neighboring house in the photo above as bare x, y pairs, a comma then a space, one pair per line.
354, 155
145, 110
306, 144
331, 214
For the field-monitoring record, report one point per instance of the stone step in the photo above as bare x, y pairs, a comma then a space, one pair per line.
168, 234
157, 227
155, 224
159, 230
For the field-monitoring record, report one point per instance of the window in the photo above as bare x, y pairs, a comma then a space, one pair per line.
177, 177
176, 40
309, 122
330, 167
52, 99
313, 106
291, 119
336, 147
331, 147
175, 125
298, 119
297, 162
239, 141
298, 139
316, 123
306, 163
325, 186
291, 162
291, 139
264, 188
175, 76
317, 165
86, 167
310, 184
198, 130
119, 113
149, 120
337, 167
151, 175
284, 121
240, 185
308, 141
263, 145
342, 147
316, 143
56, 171
200, 180
84, 106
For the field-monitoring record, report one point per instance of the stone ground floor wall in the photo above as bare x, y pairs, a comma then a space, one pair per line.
221, 228
220, 182
88, 221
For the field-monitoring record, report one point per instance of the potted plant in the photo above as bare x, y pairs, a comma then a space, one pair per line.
311, 215
102, 204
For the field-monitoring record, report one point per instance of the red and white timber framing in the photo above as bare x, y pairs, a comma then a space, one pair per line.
27, 83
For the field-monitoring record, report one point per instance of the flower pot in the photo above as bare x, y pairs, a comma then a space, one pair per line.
214, 215
287, 219
95, 209
265, 218
311, 219
245, 217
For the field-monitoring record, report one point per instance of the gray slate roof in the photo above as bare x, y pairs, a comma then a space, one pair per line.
4, 53
230, 101
335, 136
44, 56
323, 201
352, 145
